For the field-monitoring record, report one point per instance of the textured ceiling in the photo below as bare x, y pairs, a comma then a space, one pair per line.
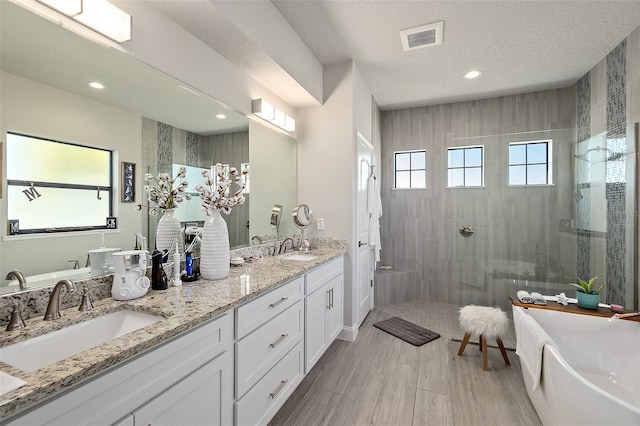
518, 45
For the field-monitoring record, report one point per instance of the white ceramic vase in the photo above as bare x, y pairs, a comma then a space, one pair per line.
214, 250
168, 233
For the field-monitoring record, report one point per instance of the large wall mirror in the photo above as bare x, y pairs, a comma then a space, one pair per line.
147, 118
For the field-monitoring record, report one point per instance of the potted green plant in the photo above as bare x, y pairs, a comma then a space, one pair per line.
588, 297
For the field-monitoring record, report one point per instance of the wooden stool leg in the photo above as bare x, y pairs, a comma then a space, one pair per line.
485, 358
480, 339
464, 343
503, 351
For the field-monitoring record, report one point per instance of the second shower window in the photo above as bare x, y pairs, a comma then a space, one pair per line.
465, 167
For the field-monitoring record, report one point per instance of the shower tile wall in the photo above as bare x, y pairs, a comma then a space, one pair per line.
616, 175
420, 236
583, 102
232, 149
193, 141
613, 105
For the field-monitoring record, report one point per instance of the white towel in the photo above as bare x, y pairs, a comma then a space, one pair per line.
524, 296
374, 208
538, 299
530, 342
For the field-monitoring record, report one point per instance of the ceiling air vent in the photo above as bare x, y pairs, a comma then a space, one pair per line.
423, 36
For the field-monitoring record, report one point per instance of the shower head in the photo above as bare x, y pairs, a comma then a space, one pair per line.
584, 155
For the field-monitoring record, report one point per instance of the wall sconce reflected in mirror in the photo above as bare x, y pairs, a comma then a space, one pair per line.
268, 112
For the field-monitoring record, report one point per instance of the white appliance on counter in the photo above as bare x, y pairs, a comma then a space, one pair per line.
130, 280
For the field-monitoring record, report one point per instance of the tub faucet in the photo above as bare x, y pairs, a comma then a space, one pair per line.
16, 274
76, 264
53, 308
283, 245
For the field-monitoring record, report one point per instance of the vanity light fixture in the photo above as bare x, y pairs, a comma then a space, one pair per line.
472, 74
96, 85
268, 112
99, 15
68, 7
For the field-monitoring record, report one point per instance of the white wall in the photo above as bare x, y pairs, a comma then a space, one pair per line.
35, 109
327, 169
164, 45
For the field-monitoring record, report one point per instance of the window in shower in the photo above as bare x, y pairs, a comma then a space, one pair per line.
465, 167
410, 169
530, 163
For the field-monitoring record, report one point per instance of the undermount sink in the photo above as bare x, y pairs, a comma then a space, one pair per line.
301, 257
9, 383
49, 348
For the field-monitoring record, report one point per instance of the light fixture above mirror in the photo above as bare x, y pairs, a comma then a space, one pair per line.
99, 15
273, 115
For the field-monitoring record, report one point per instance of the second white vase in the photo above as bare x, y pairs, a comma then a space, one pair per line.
214, 251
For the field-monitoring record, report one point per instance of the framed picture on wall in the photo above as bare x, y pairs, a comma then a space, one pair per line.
128, 173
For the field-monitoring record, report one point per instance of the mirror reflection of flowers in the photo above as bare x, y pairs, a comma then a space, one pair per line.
165, 192
214, 193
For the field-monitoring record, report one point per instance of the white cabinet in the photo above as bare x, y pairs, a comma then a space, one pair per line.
264, 400
169, 372
323, 309
269, 352
198, 399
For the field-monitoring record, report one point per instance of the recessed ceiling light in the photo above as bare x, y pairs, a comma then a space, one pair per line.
472, 74
96, 85
221, 116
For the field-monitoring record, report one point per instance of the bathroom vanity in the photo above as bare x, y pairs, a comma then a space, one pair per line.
225, 352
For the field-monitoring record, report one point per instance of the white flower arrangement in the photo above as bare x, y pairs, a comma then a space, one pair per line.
166, 193
214, 192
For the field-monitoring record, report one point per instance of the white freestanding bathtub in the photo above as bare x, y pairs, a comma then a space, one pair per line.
590, 372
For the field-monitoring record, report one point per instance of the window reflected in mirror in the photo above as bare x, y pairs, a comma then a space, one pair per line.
55, 186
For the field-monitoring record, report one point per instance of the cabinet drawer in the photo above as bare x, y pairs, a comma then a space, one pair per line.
262, 402
257, 312
258, 352
319, 276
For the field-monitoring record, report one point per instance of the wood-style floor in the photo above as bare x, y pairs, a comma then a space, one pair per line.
380, 379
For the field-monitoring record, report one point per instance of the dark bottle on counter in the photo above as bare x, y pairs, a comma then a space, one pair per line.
158, 278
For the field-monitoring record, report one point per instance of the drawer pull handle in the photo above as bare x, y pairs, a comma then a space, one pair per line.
273, 305
277, 342
278, 389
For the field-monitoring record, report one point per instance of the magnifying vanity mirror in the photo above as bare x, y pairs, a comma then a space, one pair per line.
144, 117
302, 218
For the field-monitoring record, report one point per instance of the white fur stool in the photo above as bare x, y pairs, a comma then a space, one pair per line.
487, 323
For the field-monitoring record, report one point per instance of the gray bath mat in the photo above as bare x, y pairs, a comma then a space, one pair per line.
407, 331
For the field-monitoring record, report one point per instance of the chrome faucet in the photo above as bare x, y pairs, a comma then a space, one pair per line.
255, 237
76, 264
53, 308
16, 274
283, 245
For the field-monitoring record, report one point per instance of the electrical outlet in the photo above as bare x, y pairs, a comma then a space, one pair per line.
320, 224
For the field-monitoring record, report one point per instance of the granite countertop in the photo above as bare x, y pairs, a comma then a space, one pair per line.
208, 299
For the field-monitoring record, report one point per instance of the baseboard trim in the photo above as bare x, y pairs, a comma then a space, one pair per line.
348, 333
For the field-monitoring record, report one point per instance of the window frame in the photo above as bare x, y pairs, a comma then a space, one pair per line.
465, 167
526, 164
410, 169
103, 191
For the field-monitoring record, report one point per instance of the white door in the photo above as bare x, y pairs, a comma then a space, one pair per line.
364, 255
